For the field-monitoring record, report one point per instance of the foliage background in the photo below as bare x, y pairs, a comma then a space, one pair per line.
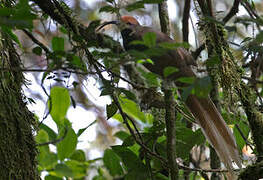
80, 132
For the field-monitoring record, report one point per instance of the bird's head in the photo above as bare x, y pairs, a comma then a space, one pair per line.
127, 26
125, 22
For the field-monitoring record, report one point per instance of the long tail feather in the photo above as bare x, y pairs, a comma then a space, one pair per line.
215, 129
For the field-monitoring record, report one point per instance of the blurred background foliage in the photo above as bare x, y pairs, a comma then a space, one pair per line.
81, 134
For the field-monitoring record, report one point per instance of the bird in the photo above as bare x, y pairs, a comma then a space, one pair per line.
203, 109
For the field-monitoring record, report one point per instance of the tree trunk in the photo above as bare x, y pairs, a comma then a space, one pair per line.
17, 146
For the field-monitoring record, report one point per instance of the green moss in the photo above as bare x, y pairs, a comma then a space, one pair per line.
228, 74
17, 145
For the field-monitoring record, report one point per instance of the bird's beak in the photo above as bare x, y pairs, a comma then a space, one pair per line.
107, 23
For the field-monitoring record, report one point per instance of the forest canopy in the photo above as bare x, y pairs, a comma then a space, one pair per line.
78, 101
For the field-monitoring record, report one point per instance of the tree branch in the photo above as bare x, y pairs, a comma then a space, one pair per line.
164, 17
170, 118
186, 16
30, 35
170, 113
232, 12
57, 13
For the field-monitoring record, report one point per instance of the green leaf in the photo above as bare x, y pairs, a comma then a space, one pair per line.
19, 16
161, 176
169, 70
129, 141
47, 160
49, 177
149, 39
42, 136
106, 92
172, 46
68, 145
78, 155
58, 44
62, 170
51, 134
59, 104
6, 11
99, 177
151, 78
137, 174
112, 162
109, 9
140, 4
132, 109
77, 61
111, 110
122, 135
187, 80
84, 129
245, 131
129, 158
63, 30
128, 94
142, 61
78, 168
138, 42
11, 35
134, 6
186, 139
37, 50
136, 169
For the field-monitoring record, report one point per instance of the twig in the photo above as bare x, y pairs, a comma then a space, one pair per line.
251, 12
56, 12
30, 35
125, 117
136, 86
54, 141
243, 136
170, 118
232, 12
186, 16
164, 17
170, 114
135, 127
250, 9
123, 114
